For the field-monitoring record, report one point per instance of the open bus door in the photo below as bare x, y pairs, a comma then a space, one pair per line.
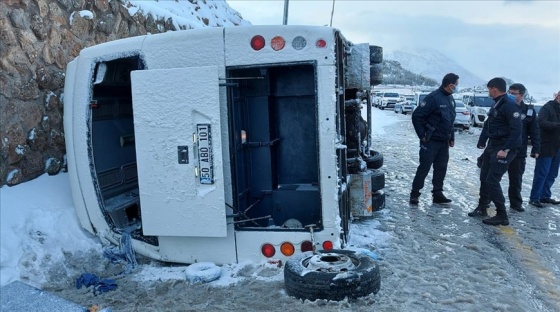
178, 146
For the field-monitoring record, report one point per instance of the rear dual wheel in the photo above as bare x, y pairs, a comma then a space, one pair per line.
375, 160
376, 76
375, 54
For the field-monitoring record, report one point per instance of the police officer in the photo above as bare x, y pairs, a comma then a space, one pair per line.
530, 130
433, 122
502, 130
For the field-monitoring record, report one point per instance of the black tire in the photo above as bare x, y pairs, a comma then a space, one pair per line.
377, 180
375, 54
361, 278
375, 161
378, 201
375, 75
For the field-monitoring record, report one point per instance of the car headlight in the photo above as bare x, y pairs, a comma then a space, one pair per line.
481, 111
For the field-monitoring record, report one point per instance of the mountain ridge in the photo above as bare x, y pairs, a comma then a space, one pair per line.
432, 64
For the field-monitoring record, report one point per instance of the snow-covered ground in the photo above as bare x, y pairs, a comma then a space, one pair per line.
431, 258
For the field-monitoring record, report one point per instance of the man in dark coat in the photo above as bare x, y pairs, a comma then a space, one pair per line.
530, 132
548, 163
433, 122
502, 130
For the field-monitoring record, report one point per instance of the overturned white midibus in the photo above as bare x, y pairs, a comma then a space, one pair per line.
222, 144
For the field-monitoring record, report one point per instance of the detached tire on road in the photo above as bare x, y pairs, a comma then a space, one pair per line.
331, 275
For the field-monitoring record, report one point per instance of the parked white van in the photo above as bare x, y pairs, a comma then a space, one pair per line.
419, 97
479, 104
222, 144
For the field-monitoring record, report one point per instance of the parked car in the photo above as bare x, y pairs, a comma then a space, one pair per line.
463, 118
406, 105
419, 97
479, 104
388, 100
376, 98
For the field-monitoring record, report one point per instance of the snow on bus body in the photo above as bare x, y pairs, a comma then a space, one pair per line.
136, 153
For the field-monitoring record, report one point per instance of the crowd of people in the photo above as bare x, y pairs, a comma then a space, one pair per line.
510, 127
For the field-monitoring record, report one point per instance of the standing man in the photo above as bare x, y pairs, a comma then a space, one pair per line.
433, 122
546, 167
503, 131
530, 130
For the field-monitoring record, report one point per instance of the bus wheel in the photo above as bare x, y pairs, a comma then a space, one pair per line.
331, 275
378, 201
375, 160
375, 54
377, 180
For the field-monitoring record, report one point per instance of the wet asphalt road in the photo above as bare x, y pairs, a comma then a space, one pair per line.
458, 262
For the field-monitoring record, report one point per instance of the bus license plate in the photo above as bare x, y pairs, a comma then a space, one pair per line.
205, 161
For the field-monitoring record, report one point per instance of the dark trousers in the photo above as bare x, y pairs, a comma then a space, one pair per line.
546, 171
434, 153
490, 175
515, 173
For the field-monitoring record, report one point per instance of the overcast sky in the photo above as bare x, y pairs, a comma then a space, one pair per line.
515, 39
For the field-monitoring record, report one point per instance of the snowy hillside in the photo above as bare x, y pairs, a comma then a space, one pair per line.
188, 14
394, 73
433, 64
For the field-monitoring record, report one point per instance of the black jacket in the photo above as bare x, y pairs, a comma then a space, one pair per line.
434, 117
530, 130
503, 126
549, 124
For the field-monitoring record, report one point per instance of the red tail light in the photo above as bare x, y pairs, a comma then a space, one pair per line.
268, 250
277, 43
466, 113
321, 43
327, 245
257, 42
306, 246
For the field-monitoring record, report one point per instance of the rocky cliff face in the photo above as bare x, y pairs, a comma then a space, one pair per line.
37, 39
